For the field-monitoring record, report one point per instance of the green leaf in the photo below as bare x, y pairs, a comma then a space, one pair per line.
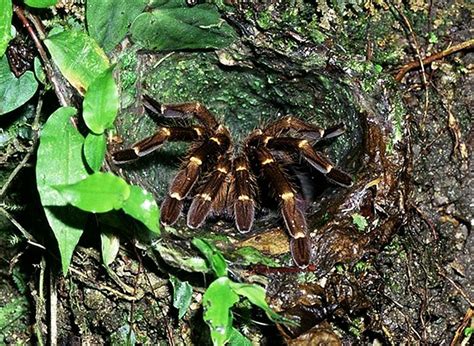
94, 150
177, 258
237, 339
142, 206
256, 295
98, 193
6, 12
359, 221
101, 103
41, 3
198, 27
213, 256
468, 331
110, 247
108, 20
182, 294
217, 301
432, 38
78, 57
60, 162
39, 72
251, 255
14, 91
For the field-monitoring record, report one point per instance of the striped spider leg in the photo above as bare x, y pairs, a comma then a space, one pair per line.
213, 138
208, 151
261, 144
167, 133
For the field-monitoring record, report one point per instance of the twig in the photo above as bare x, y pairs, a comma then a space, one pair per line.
23, 231
420, 60
430, 223
39, 310
467, 317
53, 306
60, 88
437, 56
169, 330
132, 308
103, 288
456, 286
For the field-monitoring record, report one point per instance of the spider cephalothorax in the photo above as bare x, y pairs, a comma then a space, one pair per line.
229, 180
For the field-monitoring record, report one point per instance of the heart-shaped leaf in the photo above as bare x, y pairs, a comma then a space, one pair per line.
14, 92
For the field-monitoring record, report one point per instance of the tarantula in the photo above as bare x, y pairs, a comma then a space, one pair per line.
229, 184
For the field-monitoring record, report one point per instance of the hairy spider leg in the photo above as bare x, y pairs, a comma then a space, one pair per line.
152, 143
203, 200
313, 157
244, 202
307, 130
184, 181
287, 123
182, 111
300, 244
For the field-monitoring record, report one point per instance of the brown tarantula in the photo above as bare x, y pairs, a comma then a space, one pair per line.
230, 183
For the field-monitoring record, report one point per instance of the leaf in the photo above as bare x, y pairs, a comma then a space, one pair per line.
60, 162
98, 193
176, 258
213, 256
142, 206
217, 301
108, 20
14, 92
39, 72
78, 57
251, 255
110, 245
237, 339
101, 103
198, 27
94, 150
6, 12
41, 3
359, 221
256, 295
182, 294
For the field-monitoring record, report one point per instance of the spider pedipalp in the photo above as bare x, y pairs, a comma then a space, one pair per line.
220, 181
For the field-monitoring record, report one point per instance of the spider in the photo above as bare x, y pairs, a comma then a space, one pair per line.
220, 180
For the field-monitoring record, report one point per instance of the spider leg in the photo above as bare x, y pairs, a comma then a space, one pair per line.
152, 143
313, 157
182, 110
293, 216
202, 202
244, 202
184, 181
309, 131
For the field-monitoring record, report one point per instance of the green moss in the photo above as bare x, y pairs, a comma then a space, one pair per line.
237, 98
